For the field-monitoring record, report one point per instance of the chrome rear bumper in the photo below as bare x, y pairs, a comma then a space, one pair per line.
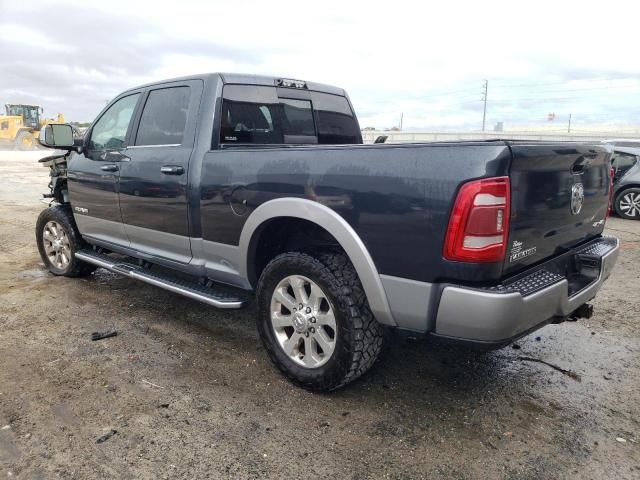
498, 317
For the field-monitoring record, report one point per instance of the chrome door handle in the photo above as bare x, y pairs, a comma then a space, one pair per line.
109, 168
172, 170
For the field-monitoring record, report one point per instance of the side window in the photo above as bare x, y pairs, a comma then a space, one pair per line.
110, 131
250, 115
336, 122
297, 118
622, 163
164, 117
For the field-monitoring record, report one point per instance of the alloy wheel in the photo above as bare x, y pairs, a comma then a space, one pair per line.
56, 245
630, 204
303, 321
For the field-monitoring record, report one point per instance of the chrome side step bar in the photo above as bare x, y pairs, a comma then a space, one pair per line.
169, 282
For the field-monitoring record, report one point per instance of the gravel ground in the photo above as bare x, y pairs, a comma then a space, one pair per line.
191, 393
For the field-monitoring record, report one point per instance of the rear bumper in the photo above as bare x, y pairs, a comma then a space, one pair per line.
499, 315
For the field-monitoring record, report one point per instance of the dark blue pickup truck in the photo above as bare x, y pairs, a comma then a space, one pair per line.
218, 185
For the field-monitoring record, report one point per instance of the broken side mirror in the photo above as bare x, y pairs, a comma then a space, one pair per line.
57, 136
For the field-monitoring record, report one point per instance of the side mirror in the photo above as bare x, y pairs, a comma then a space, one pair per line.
57, 136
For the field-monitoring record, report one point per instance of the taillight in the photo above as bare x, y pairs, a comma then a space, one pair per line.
479, 223
612, 173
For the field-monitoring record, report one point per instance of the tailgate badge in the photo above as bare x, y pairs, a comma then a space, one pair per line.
577, 198
518, 253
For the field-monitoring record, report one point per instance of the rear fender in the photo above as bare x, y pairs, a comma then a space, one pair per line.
337, 226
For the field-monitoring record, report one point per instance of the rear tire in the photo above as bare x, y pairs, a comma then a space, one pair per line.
627, 203
58, 240
334, 338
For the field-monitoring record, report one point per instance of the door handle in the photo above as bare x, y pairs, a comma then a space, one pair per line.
172, 170
109, 168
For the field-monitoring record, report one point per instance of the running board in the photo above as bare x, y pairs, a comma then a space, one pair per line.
169, 282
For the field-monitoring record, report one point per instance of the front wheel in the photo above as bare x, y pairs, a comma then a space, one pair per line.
314, 320
58, 240
25, 141
627, 204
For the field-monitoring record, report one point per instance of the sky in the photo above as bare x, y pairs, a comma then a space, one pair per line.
426, 61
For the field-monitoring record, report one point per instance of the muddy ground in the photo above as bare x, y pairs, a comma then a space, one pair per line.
191, 393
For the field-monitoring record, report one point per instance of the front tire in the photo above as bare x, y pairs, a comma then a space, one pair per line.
58, 240
627, 204
25, 141
315, 322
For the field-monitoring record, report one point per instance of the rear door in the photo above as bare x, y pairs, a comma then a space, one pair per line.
559, 198
153, 183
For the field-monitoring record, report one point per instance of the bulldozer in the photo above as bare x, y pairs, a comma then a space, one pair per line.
21, 124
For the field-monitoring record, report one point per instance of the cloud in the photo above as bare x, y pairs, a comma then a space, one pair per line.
425, 60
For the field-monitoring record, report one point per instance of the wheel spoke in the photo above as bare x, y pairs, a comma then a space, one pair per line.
47, 235
284, 298
326, 318
297, 284
290, 345
280, 320
311, 357
315, 298
326, 343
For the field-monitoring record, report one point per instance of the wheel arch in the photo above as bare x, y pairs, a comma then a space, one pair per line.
618, 191
330, 221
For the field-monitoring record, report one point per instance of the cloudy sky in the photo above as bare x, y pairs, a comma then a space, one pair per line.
427, 60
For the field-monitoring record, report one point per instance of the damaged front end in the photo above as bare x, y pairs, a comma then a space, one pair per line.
58, 192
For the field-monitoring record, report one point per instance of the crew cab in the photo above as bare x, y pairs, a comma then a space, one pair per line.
222, 187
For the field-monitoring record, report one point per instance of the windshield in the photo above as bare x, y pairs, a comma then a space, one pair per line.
28, 112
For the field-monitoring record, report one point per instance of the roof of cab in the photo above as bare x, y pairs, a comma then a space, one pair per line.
247, 79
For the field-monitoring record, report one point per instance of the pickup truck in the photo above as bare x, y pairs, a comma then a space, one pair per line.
221, 186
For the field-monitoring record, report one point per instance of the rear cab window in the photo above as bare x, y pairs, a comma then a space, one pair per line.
164, 117
264, 115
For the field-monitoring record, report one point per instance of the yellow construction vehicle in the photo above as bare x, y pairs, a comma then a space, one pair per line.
21, 124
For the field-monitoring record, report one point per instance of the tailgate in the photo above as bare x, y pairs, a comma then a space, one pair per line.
559, 198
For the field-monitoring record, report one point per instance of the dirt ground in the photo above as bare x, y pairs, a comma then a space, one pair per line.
191, 394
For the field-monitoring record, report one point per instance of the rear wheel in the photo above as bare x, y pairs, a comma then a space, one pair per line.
315, 321
627, 203
58, 240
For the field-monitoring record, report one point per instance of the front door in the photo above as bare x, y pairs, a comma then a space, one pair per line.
153, 183
93, 174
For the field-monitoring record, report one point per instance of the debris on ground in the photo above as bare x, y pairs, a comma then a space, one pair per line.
152, 384
568, 373
621, 440
100, 335
106, 436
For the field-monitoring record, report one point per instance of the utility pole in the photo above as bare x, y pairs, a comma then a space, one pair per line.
401, 117
569, 128
485, 92
484, 99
